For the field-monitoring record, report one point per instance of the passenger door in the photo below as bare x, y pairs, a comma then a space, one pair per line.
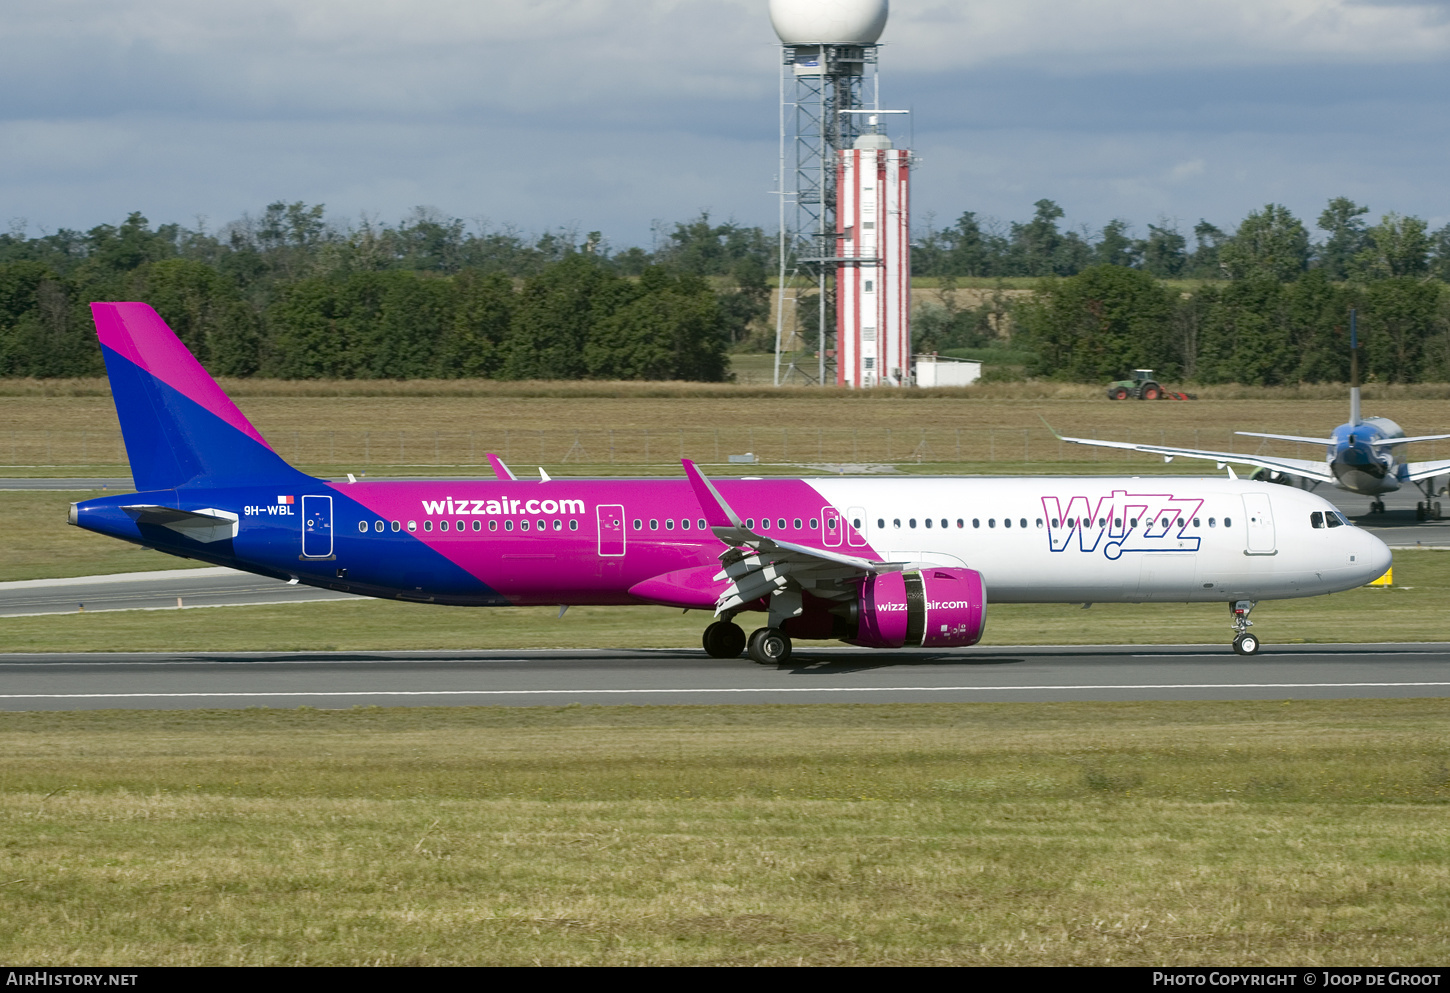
1259, 524
611, 529
316, 527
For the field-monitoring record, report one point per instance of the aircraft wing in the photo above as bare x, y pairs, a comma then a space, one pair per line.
1413, 471
1307, 468
760, 566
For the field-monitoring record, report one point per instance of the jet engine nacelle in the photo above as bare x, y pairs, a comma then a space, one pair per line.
929, 608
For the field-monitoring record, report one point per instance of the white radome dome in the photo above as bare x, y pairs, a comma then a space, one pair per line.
832, 22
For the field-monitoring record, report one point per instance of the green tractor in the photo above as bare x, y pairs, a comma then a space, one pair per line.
1143, 387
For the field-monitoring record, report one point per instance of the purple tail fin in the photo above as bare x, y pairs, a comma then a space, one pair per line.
180, 428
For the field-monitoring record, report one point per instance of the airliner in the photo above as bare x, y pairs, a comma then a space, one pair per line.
879, 563
1359, 455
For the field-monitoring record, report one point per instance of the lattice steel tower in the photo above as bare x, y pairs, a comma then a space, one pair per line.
827, 78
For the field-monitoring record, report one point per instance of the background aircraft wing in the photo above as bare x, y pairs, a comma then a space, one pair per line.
1292, 437
1413, 471
1307, 468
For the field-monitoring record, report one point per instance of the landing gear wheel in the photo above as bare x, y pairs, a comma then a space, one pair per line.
1377, 507
1246, 644
769, 646
1420, 512
724, 640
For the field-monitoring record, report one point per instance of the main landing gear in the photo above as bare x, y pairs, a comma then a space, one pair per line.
1244, 643
769, 646
1376, 506
725, 640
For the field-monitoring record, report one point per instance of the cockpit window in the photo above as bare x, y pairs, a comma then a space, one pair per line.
1335, 520
1316, 520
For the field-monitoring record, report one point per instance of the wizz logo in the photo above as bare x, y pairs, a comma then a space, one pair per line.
1122, 522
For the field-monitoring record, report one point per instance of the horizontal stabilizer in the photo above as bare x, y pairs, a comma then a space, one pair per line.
1287, 437
1381, 442
199, 525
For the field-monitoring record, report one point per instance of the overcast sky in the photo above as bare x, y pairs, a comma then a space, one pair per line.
610, 114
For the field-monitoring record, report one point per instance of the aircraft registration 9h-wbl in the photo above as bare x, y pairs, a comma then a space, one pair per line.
881, 563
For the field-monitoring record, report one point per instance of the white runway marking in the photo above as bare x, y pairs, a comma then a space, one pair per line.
758, 689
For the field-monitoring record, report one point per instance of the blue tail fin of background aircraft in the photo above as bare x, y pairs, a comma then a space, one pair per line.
180, 428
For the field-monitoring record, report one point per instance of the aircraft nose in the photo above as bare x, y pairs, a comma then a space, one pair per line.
1377, 555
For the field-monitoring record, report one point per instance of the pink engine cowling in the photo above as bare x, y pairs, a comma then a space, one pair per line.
932, 608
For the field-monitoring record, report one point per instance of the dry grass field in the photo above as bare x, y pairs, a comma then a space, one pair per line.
70, 427
1251, 833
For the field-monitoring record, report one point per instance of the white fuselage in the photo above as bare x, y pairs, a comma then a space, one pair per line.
1095, 539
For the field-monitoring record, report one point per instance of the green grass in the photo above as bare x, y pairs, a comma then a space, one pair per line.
1413, 610
1305, 833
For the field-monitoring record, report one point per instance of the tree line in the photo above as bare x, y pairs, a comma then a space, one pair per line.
289, 294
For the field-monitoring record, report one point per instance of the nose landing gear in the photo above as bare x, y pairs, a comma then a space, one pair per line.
1244, 643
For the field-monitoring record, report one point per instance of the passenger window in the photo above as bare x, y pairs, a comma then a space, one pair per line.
378, 526
573, 525
442, 525
1023, 522
1213, 522
684, 524
412, 525
362, 527
896, 522
1228, 522
654, 524
701, 522
523, 524
1132, 522
991, 522
880, 522
856, 523
397, 526
976, 522
558, 525
912, 522
638, 523
797, 523
477, 524
1195, 522
459, 525
750, 523
669, 523
944, 522
765, 524
1316, 520
780, 524
492, 526
1006, 522
815, 524
928, 522
1055, 523
960, 522
427, 525
1102, 522
1117, 522
1039, 522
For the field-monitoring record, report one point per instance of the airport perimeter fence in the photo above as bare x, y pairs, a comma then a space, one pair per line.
829, 448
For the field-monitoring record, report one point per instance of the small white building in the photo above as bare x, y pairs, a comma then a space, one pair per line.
941, 370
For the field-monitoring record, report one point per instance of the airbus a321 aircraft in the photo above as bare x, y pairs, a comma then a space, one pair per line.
882, 563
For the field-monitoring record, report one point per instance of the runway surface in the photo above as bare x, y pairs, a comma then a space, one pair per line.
197, 680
